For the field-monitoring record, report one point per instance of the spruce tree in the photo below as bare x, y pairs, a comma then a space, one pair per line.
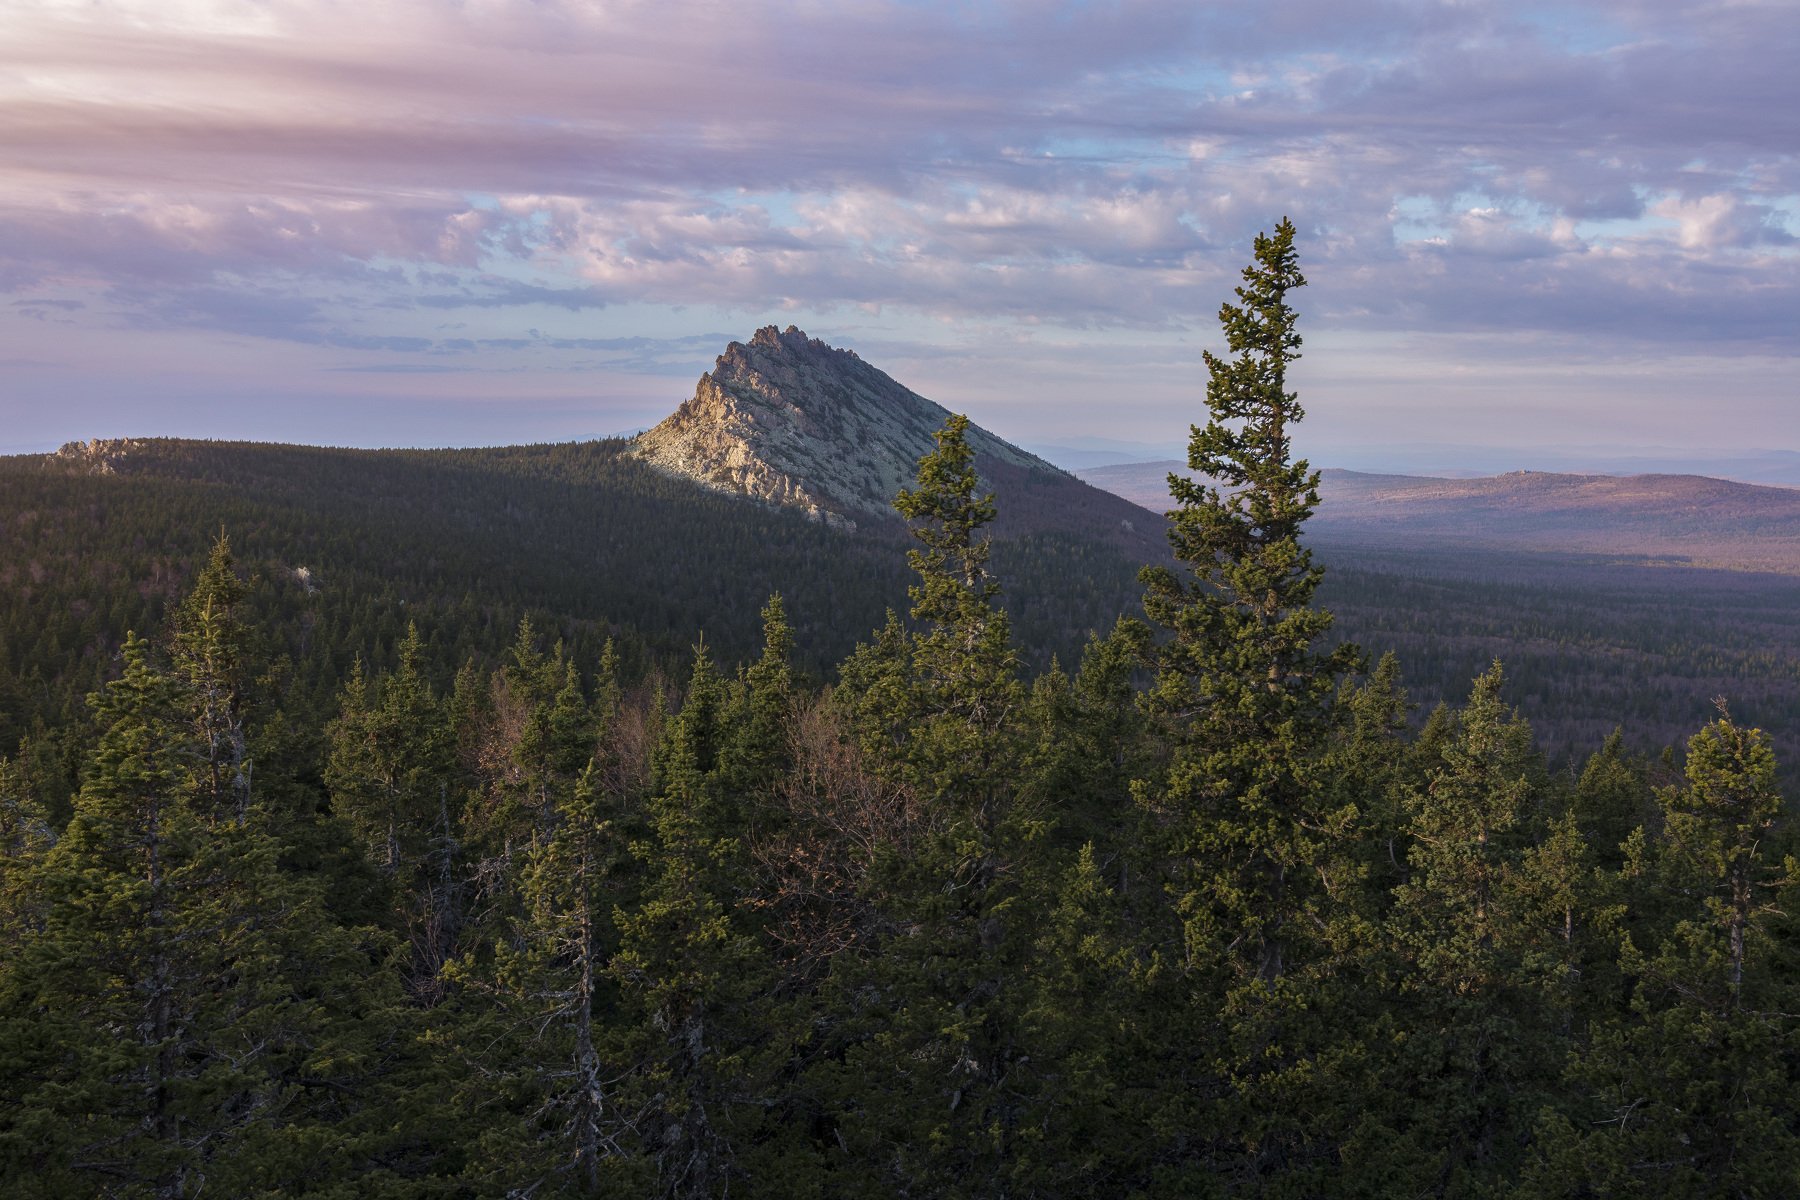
1259, 853
1612, 798
390, 774
1483, 926
963, 657
25, 837
545, 1095
1088, 740
212, 656
180, 984
1694, 1092
131, 939
756, 749
940, 710
696, 1038
1371, 770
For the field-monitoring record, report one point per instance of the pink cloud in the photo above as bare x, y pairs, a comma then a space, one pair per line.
338, 175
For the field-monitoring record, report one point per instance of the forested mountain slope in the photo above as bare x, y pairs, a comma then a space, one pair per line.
347, 546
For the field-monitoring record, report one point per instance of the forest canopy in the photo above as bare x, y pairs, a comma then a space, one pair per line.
1209, 914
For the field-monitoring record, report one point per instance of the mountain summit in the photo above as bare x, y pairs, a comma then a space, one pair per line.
791, 421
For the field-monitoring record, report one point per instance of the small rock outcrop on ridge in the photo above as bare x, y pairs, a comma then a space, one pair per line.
100, 456
790, 421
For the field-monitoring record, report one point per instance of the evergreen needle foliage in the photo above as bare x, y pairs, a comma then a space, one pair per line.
1206, 917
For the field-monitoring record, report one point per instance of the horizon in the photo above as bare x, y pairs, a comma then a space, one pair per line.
1525, 229
1079, 455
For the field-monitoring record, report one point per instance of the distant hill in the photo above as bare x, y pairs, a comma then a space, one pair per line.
1685, 519
1777, 467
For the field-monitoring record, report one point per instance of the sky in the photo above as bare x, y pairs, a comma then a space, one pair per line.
424, 222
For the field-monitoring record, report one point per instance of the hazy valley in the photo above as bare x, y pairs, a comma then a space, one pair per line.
1687, 520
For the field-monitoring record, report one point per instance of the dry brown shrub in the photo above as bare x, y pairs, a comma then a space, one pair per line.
832, 819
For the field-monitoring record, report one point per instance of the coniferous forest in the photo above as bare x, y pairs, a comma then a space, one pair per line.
1216, 912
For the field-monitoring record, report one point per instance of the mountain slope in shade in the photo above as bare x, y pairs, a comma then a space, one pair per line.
1691, 518
790, 421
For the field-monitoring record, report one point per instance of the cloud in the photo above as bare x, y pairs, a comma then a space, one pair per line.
1722, 221
350, 179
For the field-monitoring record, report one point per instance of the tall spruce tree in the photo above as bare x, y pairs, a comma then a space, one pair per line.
543, 1092
1257, 849
696, 1039
201, 1018
116, 979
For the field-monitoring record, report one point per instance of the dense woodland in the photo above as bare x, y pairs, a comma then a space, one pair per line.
1217, 912
341, 550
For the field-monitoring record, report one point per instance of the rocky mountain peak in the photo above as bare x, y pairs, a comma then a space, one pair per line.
789, 420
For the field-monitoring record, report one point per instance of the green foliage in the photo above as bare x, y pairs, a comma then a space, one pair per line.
370, 888
702, 1038
390, 773
1261, 885
212, 657
177, 983
1693, 1093
25, 837
1465, 927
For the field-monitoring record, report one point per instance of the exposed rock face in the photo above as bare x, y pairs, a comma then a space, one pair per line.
791, 421
100, 456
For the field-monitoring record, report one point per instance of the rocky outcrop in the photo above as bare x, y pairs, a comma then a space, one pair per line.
101, 456
790, 421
